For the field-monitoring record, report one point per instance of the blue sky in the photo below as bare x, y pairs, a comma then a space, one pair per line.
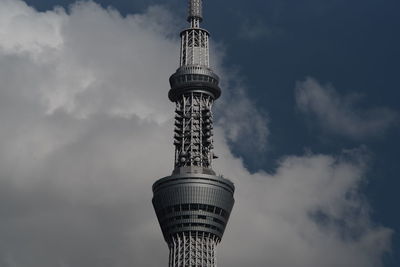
348, 51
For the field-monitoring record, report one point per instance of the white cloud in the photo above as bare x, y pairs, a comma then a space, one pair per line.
339, 114
85, 133
241, 119
308, 213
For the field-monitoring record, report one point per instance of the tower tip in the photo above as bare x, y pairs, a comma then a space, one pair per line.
195, 10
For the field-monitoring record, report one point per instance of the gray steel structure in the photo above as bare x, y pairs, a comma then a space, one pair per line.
193, 204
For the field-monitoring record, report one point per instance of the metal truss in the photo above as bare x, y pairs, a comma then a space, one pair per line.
195, 46
193, 130
193, 249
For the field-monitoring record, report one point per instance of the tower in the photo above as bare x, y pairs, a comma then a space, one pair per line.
193, 204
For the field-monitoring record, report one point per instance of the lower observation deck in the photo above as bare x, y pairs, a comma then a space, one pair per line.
193, 203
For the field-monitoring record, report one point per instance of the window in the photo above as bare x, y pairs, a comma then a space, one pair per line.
218, 221
210, 208
218, 210
194, 206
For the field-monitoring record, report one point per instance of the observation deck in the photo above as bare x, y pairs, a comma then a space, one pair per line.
191, 202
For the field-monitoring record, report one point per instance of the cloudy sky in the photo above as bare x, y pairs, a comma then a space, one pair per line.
307, 128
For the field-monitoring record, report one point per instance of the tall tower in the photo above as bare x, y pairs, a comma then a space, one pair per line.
193, 204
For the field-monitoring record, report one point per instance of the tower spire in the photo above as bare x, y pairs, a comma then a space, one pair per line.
193, 204
195, 15
194, 40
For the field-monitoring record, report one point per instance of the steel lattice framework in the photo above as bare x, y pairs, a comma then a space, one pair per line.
193, 205
193, 130
193, 249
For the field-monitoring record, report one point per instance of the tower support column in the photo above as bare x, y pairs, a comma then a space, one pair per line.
187, 250
193, 204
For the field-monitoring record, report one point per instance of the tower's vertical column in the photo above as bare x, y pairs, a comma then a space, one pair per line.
193, 204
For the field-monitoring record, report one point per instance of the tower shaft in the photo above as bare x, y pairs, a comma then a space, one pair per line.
193, 249
193, 130
193, 205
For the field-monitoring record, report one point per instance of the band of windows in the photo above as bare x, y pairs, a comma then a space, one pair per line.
182, 225
194, 207
193, 77
188, 217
